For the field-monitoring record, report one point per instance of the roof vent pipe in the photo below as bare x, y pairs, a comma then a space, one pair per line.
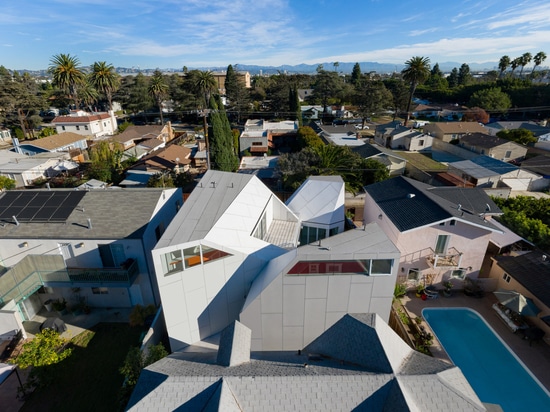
89, 223
15, 220
411, 195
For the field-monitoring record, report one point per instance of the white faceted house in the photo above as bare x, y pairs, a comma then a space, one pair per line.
234, 252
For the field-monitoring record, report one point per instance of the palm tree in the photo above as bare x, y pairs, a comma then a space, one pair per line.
88, 94
524, 60
336, 64
105, 79
157, 90
417, 70
538, 59
514, 64
503, 64
204, 84
67, 75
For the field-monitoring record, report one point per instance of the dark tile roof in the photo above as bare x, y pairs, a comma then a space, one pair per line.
494, 165
538, 164
365, 151
410, 204
531, 271
482, 140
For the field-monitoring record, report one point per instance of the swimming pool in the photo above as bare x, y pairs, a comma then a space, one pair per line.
493, 371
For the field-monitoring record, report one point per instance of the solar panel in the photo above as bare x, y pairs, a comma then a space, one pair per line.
45, 206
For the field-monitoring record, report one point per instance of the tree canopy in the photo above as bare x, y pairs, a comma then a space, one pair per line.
493, 100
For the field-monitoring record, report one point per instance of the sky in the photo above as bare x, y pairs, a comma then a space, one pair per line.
202, 34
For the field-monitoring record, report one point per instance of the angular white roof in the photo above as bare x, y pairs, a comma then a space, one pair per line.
320, 199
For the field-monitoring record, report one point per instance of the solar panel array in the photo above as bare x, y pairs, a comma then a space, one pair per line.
46, 206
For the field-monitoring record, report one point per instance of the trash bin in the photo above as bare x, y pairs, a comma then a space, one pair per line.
48, 305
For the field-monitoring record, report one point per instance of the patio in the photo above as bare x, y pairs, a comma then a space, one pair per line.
536, 357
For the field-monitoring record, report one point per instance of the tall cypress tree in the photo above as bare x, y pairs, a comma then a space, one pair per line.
222, 154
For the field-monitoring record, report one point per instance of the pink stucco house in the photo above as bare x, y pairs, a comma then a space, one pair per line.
442, 232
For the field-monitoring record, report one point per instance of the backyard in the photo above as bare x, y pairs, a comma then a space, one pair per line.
88, 380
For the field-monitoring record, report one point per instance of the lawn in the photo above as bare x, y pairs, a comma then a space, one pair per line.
89, 379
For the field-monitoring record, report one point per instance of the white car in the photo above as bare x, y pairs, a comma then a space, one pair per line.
360, 127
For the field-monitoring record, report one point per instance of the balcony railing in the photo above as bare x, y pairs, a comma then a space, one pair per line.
452, 258
104, 275
34, 271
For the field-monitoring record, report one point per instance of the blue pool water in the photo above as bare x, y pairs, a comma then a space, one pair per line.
492, 370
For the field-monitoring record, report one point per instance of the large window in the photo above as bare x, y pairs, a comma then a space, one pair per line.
112, 255
414, 274
310, 234
179, 260
367, 267
441, 245
458, 274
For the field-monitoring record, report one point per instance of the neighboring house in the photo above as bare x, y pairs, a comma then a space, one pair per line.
219, 77
305, 94
482, 171
445, 111
452, 130
487, 172
493, 146
25, 170
134, 135
341, 135
311, 113
5, 136
91, 125
539, 164
232, 253
264, 168
358, 363
540, 131
74, 144
394, 135
441, 232
260, 135
396, 165
90, 245
173, 158
529, 274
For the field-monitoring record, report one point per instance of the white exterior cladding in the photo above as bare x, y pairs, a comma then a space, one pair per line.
103, 217
87, 124
287, 311
202, 295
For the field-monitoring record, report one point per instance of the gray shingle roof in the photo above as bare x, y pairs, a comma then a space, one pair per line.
291, 381
410, 204
114, 213
531, 271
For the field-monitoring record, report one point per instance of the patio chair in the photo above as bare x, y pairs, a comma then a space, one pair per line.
431, 293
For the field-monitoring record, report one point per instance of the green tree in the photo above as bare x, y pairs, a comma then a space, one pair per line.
524, 60
105, 80
539, 58
204, 84
135, 95
136, 360
399, 92
503, 64
222, 153
370, 98
416, 71
161, 179
514, 64
326, 87
452, 80
374, 171
46, 349
67, 75
356, 74
493, 100
436, 81
520, 136
464, 75
238, 97
158, 90
6, 183
307, 137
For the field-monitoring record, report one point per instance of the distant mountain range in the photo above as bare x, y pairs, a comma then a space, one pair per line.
346, 68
